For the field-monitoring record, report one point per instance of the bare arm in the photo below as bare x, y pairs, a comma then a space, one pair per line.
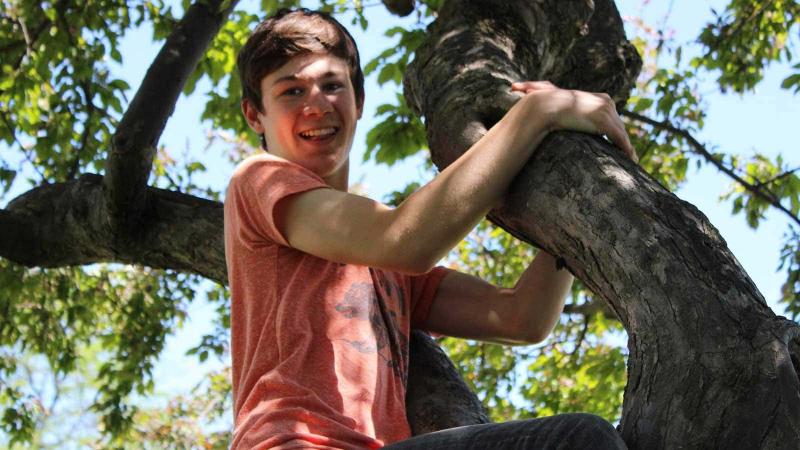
468, 307
346, 228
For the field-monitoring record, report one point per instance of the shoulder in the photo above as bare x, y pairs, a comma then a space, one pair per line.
263, 165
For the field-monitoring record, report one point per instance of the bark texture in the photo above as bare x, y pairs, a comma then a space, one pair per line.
710, 364
133, 146
437, 397
67, 224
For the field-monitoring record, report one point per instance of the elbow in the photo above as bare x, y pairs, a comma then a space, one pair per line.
411, 257
416, 264
532, 330
535, 335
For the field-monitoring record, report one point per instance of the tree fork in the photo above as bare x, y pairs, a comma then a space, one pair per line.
133, 145
709, 364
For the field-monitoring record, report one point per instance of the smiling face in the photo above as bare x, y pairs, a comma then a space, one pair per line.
308, 114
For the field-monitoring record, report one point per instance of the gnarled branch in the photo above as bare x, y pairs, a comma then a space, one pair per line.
64, 224
133, 146
702, 339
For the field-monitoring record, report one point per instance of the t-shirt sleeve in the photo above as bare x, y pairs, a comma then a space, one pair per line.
423, 291
259, 185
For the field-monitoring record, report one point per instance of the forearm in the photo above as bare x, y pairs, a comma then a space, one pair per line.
540, 294
439, 215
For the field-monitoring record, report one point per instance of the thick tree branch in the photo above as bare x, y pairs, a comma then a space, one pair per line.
695, 320
400, 8
590, 308
134, 143
63, 224
699, 148
437, 397
18, 240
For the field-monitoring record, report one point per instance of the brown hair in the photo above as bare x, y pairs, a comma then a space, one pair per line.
290, 33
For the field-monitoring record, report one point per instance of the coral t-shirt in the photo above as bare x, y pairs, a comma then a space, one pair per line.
319, 349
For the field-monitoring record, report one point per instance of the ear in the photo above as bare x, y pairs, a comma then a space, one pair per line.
360, 108
252, 116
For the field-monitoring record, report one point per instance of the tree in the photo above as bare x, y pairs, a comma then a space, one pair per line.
84, 219
700, 332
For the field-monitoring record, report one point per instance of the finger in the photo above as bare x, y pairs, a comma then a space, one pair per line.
617, 134
626, 142
527, 86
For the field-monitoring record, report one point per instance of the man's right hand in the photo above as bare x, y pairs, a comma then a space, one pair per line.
565, 109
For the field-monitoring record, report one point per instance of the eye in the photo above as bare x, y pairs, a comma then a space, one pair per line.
292, 92
332, 86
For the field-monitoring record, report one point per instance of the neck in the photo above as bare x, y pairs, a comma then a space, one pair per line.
339, 179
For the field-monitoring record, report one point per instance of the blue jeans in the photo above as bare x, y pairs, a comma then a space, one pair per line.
562, 432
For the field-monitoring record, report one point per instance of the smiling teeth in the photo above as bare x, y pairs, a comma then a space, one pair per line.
319, 132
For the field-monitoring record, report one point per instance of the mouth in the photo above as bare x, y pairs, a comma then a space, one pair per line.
318, 134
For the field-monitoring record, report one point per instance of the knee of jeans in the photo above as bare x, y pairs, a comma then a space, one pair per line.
596, 426
589, 420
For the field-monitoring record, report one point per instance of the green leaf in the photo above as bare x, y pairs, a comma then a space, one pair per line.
792, 81
642, 104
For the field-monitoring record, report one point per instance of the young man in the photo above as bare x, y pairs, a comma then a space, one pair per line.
326, 285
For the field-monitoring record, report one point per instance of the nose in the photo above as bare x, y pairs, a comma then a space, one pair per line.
317, 103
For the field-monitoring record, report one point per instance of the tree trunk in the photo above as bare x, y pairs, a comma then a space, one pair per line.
710, 364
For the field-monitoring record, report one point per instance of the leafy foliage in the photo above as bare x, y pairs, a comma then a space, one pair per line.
745, 38
399, 136
58, 102
128, 312
188, 421
790, 261
575, 370
402, 133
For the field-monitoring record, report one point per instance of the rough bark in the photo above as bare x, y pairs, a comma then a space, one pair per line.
437, 397
66, 224
133, 145
710, 365
401, 8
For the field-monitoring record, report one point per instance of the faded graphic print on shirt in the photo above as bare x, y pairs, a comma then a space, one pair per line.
379, 304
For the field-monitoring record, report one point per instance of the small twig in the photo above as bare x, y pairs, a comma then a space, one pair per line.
754, 14
777, 177
700, 149
589, 308
27, 36
582, 336
30, 39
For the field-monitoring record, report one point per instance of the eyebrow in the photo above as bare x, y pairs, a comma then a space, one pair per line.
288, 78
